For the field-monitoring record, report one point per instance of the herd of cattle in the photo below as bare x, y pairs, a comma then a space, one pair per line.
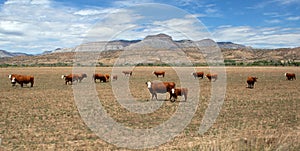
154, 87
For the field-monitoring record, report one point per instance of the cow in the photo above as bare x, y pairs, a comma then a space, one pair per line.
290, 76
21, 79
114, 77
129, 73
179, 92
251, 81
160, 87
71, 78
159, 73
198, 74
82, 76
101, 77
212, 76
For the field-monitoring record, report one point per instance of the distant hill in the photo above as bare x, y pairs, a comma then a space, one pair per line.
157, 49
4, 54
230, 45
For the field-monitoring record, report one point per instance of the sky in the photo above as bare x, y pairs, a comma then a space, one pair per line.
34, 26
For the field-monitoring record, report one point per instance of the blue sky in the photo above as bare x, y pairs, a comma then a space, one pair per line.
34, 26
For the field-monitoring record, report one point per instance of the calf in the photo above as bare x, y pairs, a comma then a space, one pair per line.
115, 77
251, 81
21, 79
290, 76
127, 73
179, 92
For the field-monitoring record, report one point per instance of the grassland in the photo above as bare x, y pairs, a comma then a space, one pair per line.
45, 116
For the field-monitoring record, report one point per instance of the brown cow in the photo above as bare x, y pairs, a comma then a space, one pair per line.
70, 78
290, 76
198, 74
159, 73
179, 92
101, 77
212, 76
129, 73
21, 79
251, 81
160, 87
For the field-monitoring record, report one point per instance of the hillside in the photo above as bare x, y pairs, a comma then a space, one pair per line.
110, 57
159, 49
4, 54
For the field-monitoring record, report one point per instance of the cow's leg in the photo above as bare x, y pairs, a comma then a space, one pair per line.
185, 97
152, 95
174, 96
31, 84
171, 96
21, 84
155, 94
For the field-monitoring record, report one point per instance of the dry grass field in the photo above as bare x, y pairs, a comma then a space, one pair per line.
45, 117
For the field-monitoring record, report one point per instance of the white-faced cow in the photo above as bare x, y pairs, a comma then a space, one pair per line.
290, 76
21, 79
155, 87
69, 79
179, 92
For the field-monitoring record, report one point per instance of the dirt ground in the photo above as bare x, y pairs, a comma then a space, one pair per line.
45, 117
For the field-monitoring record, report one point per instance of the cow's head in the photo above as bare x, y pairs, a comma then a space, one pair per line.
13, 80
63, 76
148, 84
254, 79
172, 90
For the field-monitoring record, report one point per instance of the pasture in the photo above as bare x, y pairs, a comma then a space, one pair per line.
45, 117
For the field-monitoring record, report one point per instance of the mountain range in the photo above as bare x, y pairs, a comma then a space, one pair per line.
154, 49
121, 44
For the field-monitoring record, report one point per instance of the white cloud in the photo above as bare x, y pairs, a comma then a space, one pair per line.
122, 3
188, 26
286, 2
294, 18
39, 25
273, 21
272, 37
